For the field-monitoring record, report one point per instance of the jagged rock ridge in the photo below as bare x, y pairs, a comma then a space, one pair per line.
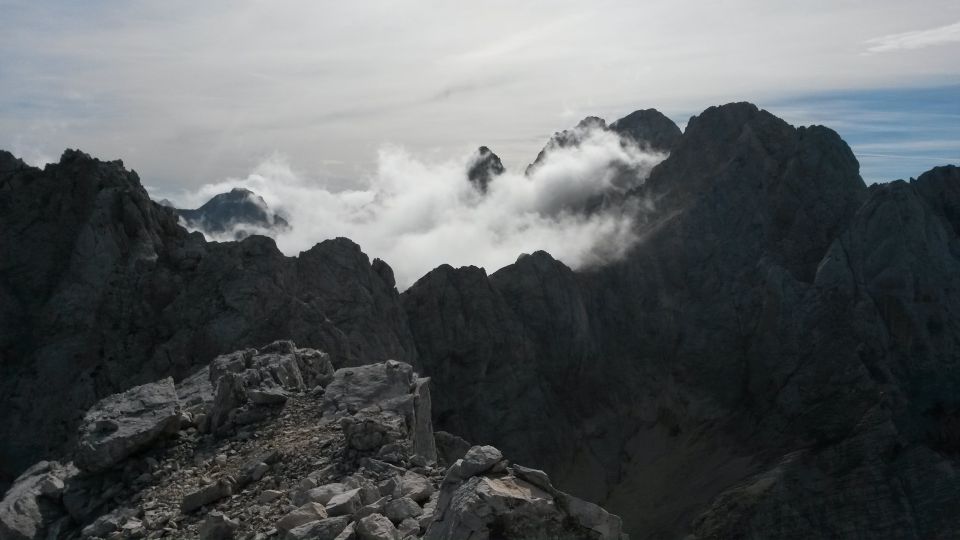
783, 342
101, 290
776, 358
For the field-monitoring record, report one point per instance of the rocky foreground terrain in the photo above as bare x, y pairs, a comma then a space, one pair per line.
778, 356
274, 443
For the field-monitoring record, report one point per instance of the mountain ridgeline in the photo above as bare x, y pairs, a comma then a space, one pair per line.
779, 356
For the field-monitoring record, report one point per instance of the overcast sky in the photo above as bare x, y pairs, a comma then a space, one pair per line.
189, 93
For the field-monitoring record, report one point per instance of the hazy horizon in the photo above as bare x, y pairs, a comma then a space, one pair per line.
190, 95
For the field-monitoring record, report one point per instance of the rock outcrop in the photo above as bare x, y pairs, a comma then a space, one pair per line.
236, 214
249, 384
297, 473
102, 290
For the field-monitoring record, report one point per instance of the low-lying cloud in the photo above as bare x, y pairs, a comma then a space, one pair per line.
417, 215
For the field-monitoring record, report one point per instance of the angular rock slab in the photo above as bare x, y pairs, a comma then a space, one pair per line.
124, 423
393, 390
481, 498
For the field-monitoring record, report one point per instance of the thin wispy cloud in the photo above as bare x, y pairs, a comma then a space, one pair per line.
917, 39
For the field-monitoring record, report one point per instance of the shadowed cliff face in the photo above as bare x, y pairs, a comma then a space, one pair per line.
102, 290
779, 349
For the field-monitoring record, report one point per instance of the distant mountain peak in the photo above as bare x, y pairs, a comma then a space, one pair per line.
649, 127
238, 211
483, 168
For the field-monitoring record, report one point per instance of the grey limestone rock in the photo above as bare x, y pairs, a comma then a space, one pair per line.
346, 503
402, 508
311, 511
223, 487
247, 383
324, 529
28, 508
217, 526
124, 423
376, 527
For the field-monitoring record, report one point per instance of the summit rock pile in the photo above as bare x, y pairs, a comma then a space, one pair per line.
345, 455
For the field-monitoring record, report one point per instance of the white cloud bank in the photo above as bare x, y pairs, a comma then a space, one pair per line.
417, 215
918, 39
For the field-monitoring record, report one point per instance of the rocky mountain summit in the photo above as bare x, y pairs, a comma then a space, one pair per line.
274, 443
237, 214
776, 357
101, 290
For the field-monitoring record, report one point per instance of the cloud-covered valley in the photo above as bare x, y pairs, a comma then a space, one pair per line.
417, 214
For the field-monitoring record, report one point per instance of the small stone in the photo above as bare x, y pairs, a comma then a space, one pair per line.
220, 460
349, 533
217, 526
259, 470
400, 509
324, 529
345, 503
408, 527
376, 527
534, 476
304, 514
415, 486
269, 495
478, 460
324, 493
207, 494
376, 507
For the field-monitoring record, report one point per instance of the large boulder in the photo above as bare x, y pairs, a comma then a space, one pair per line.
124, 423
380, 404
